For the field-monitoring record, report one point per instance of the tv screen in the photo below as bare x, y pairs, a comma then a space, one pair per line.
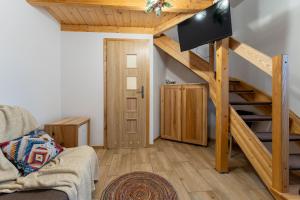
211, 24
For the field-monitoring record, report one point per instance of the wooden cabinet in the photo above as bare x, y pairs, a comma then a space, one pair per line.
184, 113
70, 132
171, 112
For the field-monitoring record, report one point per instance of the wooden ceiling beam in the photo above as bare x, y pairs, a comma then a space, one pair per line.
183, 6
106, 29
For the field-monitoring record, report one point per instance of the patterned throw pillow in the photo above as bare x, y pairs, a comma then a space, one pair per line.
31, 152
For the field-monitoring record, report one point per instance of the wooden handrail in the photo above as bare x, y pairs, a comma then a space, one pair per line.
260, 60
280, 124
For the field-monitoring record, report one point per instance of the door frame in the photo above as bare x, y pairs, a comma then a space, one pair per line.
147, 91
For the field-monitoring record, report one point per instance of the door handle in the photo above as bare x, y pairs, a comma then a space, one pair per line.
142, 92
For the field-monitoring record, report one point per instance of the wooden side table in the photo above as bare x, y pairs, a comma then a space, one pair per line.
70, 132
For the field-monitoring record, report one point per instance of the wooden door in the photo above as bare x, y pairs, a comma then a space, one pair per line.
194, 114
171, 112
127, 63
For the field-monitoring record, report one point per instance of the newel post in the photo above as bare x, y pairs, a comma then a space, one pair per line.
280, 124
222, 105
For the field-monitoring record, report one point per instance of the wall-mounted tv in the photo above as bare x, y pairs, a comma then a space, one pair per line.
211, 24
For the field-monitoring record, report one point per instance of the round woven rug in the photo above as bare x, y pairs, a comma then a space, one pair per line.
139, 186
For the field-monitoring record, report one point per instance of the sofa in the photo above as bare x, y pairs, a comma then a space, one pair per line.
70, 176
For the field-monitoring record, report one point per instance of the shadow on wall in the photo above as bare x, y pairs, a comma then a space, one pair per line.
179, 73
266, 31
43, 12
263, 25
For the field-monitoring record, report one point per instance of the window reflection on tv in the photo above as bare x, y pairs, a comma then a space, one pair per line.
211, 24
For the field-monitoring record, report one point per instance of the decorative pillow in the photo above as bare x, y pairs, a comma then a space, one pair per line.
32, 151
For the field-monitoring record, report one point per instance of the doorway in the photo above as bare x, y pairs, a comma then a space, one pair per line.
126, 93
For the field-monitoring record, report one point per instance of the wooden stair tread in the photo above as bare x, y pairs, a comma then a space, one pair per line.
294, 161
234, 81
255, 118
242, 91
267, 137
241, 103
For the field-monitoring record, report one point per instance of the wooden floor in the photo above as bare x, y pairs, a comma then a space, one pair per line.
189, 168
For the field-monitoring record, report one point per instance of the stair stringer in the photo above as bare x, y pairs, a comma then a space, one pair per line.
256, 152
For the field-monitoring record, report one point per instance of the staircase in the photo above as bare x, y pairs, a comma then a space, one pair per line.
264, 115
240, 107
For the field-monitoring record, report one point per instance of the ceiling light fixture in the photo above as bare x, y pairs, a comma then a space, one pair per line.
157, 6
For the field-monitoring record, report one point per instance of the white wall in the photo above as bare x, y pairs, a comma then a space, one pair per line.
160, 58
82, 78
272, 26
30, 60
175, 71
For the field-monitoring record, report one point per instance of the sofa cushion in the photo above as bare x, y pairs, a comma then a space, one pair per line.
32, 151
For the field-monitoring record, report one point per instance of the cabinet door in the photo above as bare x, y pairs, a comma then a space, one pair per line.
171, 112
194, 114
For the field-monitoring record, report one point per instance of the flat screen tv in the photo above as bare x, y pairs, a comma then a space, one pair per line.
211, 24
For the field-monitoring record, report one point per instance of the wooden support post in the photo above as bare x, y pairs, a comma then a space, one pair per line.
222, 105
280, 124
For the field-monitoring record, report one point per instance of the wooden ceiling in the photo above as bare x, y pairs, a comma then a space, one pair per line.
126, 16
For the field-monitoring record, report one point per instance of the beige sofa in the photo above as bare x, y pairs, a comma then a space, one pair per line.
69, 176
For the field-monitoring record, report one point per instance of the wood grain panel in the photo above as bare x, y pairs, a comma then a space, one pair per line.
56, 12
187, 168
106, 16
255, 151
178, 6
260, 60
127, 111
106, 29
171, 100
194, 114
89, 15
65, 131
122, 16
101, 16
222, 103
280, 124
